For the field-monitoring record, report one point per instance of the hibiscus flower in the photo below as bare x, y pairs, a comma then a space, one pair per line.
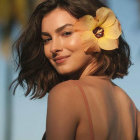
100, 32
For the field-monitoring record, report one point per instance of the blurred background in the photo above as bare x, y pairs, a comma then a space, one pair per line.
24, 119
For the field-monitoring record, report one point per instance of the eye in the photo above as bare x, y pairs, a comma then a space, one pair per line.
66, 33
45, 41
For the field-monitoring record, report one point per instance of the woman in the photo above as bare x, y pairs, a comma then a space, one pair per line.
72, 49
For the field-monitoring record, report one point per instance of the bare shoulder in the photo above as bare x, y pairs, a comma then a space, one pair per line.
64, 93
138, 124
61, 85
101, 86
62, 111
62, 88
124, 96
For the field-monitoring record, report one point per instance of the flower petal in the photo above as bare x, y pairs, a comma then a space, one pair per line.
114, 31
108, 44
91, 46
87, 35
89, 42
105, 16
86, 22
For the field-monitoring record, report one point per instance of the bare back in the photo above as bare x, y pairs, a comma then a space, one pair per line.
112, 111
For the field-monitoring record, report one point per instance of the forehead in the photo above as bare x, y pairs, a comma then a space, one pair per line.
57, 18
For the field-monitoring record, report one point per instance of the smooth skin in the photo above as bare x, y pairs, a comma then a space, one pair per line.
112, 111
60, 39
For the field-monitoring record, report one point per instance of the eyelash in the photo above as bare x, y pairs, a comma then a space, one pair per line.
66, 34
45, 41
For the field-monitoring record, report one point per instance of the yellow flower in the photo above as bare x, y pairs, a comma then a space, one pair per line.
100, 32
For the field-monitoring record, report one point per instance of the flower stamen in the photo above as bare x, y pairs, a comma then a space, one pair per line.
98, 32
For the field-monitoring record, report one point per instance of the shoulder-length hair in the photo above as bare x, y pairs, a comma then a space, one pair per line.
36, 74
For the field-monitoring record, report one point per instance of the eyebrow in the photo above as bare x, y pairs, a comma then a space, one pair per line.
57, 30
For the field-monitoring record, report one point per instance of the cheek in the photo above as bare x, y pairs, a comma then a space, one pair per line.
74, 43
48, 55
47, 52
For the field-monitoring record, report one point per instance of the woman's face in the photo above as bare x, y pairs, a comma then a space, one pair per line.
62, 45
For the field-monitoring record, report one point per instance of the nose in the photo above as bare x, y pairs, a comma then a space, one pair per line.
56, 46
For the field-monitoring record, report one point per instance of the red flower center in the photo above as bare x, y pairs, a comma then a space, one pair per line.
99, 32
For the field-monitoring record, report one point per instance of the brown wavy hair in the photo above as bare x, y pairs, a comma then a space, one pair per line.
36, 74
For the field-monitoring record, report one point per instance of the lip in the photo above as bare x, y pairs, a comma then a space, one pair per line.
60, 59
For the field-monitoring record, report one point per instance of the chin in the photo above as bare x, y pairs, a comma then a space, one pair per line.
69, 69
66, 73
70, 73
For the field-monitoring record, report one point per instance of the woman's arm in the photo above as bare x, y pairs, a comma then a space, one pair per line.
62, 113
